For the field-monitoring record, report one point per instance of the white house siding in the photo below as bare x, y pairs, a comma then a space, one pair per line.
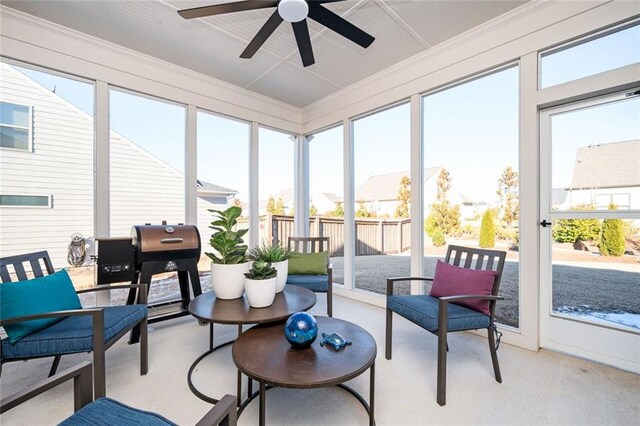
60, 164
143, 188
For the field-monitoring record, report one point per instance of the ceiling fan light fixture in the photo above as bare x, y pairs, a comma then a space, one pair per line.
293, 10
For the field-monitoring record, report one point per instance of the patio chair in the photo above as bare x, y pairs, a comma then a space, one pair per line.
79, 330
441, 312
318, 283
106, 411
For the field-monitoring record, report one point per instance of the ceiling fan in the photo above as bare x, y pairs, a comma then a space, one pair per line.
294, 11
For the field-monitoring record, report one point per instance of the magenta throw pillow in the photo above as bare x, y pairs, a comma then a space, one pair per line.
450, 280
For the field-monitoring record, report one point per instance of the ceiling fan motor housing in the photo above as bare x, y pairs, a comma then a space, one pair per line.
293, 10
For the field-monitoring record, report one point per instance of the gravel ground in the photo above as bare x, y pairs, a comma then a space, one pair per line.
606, 290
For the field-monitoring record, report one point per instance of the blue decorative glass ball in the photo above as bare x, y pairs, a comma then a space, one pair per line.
301, 329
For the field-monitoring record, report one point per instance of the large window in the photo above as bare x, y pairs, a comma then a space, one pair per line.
276, 194
326, 188
590, 56
147, 147
46, 184
15, 126
223, 173
471, 177
382, 197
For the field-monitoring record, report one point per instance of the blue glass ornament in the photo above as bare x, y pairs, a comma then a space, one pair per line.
301, 329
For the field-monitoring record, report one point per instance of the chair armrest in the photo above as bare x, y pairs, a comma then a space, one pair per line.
70, 313
141, 287
392, 281
82, 387
223, 413
448, 299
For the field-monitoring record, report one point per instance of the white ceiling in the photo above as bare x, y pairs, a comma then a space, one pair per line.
212, 45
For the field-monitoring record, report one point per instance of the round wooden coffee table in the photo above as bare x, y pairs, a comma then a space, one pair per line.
264, 354
209, 309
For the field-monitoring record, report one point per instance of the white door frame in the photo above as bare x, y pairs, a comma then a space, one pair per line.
617, 346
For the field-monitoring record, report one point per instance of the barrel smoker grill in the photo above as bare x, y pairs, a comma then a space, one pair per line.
156, 249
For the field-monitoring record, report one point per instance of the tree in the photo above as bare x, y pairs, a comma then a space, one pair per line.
271, 204
404, 195
574, 230
438, 238
442, 215
313, 210
508, 193
279, 208
362, 210
487, 231
338, 211
612, 241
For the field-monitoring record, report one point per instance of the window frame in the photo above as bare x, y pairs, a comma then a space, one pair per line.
17, 206
29, 129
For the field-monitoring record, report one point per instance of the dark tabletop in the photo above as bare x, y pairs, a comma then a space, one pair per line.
237, 311
263, 353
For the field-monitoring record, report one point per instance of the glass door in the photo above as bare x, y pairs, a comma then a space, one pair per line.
590, 221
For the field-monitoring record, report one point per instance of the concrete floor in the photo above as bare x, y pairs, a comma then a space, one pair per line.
538, 388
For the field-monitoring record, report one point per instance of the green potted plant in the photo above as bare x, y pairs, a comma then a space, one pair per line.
260, 284
229, 262
276, 254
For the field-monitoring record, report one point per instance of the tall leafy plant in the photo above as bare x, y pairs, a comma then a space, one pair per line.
227, 242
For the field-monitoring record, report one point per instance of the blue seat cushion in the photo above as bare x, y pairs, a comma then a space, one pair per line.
107, 412
423, 310
319, 283
73, 334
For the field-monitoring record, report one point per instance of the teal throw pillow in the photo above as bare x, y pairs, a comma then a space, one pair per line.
308, 263
50, 293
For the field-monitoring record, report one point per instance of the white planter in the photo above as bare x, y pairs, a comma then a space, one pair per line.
260, 293
283, 272
227, 281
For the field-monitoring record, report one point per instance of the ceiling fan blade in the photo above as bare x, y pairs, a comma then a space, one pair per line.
267, 29
301, 31
338, 24
219, 9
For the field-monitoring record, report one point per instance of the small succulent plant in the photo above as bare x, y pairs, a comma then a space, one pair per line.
266, 252
261, 270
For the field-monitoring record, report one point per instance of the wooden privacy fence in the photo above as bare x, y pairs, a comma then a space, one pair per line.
373, 236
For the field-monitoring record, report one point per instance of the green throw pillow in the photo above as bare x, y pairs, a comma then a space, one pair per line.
50, 293
308, 263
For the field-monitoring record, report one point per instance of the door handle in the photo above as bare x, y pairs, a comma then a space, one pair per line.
544, 223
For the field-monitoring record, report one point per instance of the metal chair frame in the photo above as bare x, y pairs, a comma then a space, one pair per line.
315, 245
485, 260
97, 317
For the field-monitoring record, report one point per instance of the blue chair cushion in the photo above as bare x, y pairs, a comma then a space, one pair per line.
107, 412
50, 293
319, 283
73, 334
423, 310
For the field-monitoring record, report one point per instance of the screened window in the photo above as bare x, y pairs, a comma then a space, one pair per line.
15, 126
590, 56
25, 200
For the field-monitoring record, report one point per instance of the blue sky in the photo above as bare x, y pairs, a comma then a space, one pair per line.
471, 129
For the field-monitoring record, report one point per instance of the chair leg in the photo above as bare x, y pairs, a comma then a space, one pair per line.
144, 347
54, 365
99, 380
494, 354
330, 295
387, 334
442, 367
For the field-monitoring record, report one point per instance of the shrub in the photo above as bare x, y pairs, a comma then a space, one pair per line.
438, 238
487, 231
612, 241
574, 230
445, 217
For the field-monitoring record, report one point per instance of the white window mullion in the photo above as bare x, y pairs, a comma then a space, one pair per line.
254, 202
349, 213
417, 195
191, 167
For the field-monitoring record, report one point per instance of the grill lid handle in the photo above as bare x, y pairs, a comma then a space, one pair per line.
171, 241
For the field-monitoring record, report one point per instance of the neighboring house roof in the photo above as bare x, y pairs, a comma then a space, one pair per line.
332, 197
385, 187
610, 165
206, 189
